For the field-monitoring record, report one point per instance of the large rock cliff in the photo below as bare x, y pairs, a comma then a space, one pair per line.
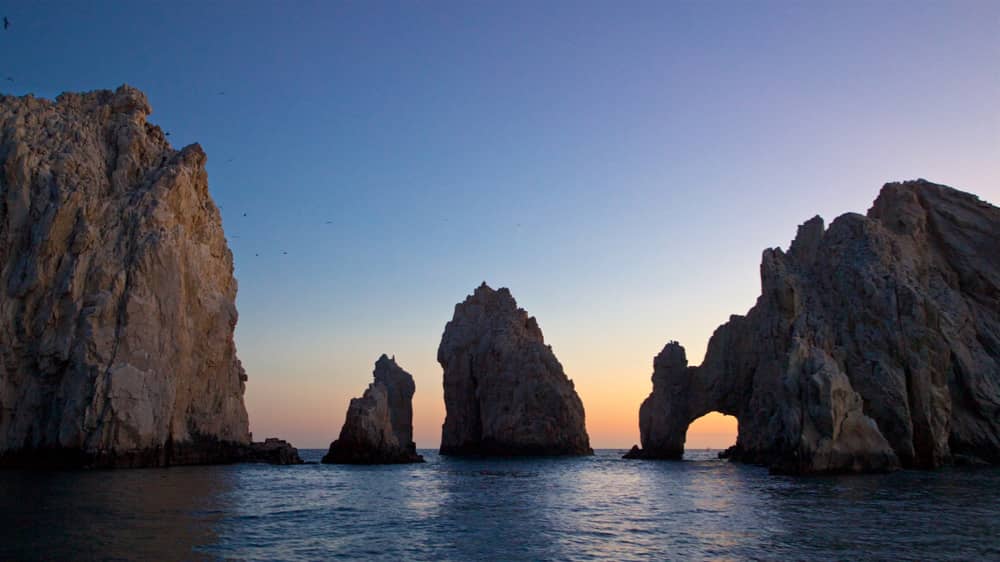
379, 425
505, 392
118, 297
875, 344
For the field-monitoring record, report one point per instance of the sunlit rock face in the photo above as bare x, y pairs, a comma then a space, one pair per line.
379, 425
118, 298
504, 390
875, 344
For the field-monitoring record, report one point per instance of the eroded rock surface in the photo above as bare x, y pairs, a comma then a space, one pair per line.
379, 425
118, 298
875, 344
505, 392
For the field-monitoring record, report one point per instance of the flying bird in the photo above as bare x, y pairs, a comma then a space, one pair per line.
168, 133
6, 22
9, 79
244, 214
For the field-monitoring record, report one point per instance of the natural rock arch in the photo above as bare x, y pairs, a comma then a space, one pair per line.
873, 345
711, 431
680, 396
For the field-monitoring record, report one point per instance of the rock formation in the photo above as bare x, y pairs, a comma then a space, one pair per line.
505, 392
379, 425
118, 297
875, 344
270, 451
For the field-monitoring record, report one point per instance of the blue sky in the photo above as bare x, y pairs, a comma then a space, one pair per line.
619, 166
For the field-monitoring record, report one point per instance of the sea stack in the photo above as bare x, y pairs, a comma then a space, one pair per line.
118, 304
379, 425
875, 344
505, 392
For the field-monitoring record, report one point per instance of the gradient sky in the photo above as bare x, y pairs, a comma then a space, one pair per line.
619, 166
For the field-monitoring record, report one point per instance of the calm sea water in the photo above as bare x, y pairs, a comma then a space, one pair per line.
599, 507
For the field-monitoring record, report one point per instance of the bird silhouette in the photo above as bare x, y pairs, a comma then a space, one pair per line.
284, 253
9, 79
6, 22
168, 133
221, 94
244, 214
329, 222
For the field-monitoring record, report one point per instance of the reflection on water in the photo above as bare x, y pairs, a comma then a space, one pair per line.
125, 514
448, 509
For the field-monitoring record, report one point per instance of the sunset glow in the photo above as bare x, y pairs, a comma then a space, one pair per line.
622, 186
392, 281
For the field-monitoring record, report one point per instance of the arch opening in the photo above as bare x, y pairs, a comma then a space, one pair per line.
712, 432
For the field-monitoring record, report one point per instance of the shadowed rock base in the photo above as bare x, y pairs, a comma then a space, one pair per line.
653, 454
488, 448
200, 451
342, 454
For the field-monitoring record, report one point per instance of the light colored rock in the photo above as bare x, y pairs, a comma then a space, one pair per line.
505, 392
875, 344
118, 297
379, 425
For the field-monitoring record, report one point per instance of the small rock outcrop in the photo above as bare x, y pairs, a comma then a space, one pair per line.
270, 451
875, 344
379, 425
117, 296
505, 392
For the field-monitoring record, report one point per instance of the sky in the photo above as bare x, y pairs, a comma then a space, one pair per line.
620, 166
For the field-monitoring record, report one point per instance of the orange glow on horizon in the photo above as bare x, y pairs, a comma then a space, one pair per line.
310, 413
712, 431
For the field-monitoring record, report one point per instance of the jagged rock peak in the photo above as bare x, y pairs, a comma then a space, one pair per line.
125, 99
874, 344
379, 425
505, 391
118, 303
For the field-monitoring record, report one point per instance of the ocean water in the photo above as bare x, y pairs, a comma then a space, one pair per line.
599, 507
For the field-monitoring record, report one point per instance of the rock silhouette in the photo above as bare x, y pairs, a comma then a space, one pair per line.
118, 297
379, 425
875, 344
505, 392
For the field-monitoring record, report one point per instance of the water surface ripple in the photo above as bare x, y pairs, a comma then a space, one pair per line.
598, 507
